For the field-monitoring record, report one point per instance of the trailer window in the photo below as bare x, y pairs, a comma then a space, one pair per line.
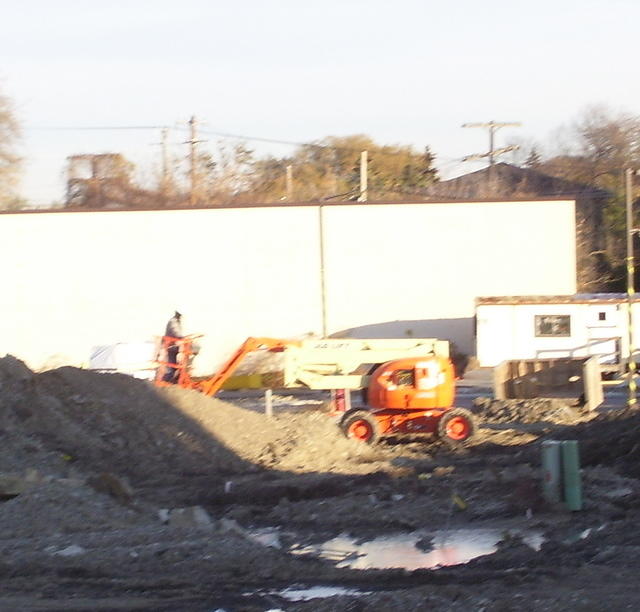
553, 325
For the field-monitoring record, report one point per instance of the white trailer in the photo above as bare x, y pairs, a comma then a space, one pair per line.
555, 326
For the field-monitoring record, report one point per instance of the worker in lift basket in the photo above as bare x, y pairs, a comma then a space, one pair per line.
173, 332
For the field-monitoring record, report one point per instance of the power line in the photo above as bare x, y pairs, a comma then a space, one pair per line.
316, 145
261, 139
378, 151
95, 127
203, 131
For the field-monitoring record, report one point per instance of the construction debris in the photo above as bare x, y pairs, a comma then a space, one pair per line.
118, 495
531, 411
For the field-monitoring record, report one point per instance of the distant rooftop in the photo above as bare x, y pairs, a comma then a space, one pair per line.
508, 181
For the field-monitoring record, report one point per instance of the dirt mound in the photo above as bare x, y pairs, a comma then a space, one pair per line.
605, 439
18, 405
611, 439
307, 441
529, 411
77, 421
61, 507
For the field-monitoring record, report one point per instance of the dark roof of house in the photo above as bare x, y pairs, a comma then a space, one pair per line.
508, 181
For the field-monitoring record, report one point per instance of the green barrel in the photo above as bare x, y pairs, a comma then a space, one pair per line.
571, 476
551, 471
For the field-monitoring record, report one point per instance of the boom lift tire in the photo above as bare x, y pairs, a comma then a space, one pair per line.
360, 425
456, 426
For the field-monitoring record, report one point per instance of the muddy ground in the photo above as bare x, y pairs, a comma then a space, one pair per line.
119, 496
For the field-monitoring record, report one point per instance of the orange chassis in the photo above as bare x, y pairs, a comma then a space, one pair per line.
453, 425
409, 396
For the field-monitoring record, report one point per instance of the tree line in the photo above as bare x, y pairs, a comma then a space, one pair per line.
232, 174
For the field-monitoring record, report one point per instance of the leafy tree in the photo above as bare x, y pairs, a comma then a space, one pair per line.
268, 178
9, 159
331, 169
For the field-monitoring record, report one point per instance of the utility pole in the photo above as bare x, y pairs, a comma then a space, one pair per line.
193, 175
493, 127
363, 176
164, 186
631, 363
164, 180
289, 182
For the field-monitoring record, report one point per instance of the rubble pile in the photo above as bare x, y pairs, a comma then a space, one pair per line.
70, 420
66, 506
610, 439
529, 411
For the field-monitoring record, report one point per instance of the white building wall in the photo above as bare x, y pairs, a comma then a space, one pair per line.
85, 279
401, 269
75, 280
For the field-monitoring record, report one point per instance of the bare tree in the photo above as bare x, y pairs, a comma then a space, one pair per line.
595, 151
223, 174
597, 148
10, 161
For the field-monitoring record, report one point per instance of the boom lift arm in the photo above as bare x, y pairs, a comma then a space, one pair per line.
325, 363
212, 385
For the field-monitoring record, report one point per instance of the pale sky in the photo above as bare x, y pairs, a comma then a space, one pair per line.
403, 72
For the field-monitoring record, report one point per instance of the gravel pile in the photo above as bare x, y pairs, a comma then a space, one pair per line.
69, 422
528, 411
63, 507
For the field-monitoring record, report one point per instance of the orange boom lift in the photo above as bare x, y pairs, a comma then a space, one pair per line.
411, 395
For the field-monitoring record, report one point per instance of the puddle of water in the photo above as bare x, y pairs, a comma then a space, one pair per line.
399, 551
305, 594
269, 536
302, 593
